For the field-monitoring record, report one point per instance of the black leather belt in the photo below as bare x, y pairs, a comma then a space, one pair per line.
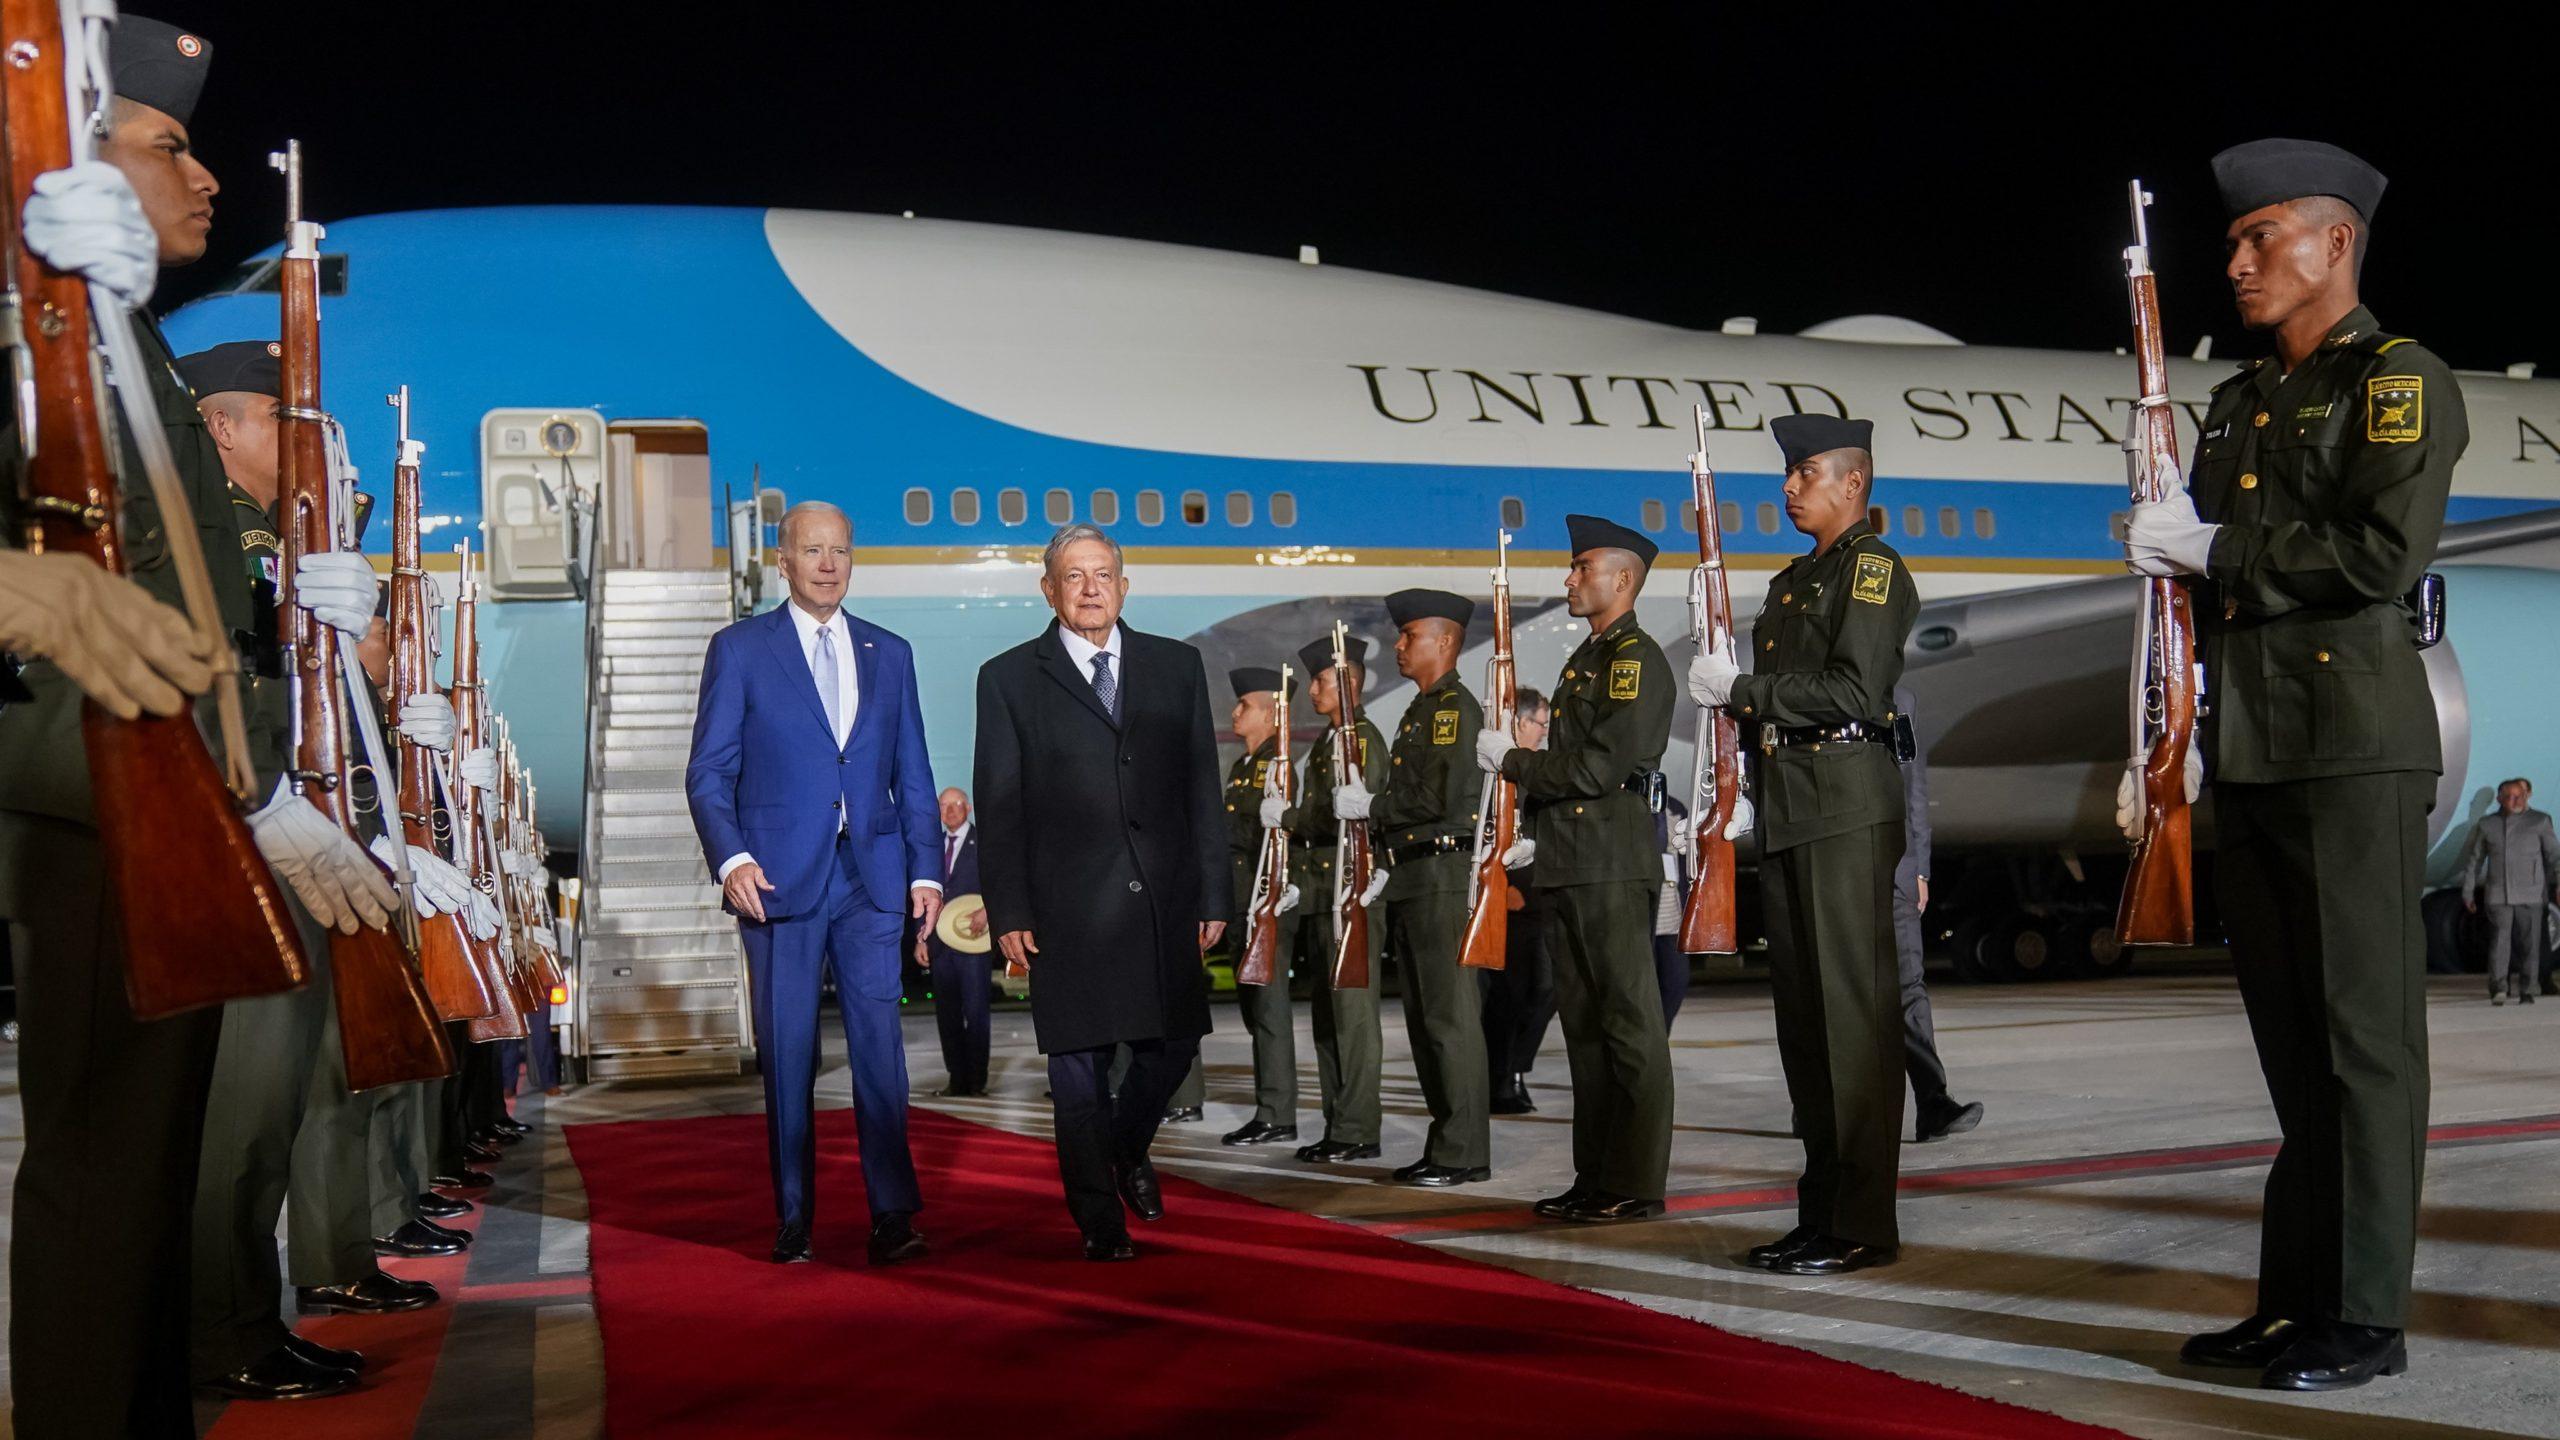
1855, 733
1419, 849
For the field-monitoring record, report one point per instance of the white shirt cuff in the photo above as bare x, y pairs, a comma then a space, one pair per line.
933, 885
732, 863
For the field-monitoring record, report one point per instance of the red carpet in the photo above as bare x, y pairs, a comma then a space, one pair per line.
1240, 1319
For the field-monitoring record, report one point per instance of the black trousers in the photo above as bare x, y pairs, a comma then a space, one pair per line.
1919, 1027
961, 986
1098, 1133
1671, 973
102, 1221
1519, 998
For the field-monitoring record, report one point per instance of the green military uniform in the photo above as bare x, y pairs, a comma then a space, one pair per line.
1826, 652
2329, 486
1346, 1021
1599, 873
1269, 1017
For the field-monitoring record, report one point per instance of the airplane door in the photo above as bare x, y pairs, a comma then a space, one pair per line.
541, 471
658, 512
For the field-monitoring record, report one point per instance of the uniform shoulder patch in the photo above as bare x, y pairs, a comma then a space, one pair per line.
1444, 727
1261, 774
2395, 408
1874, 582
1624, 677
260, 540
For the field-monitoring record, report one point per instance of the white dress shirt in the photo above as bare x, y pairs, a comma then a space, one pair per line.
1080, 653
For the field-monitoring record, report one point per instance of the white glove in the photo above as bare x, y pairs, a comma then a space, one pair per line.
333, 877
339, 589
1273, 807
1377, 887
1711, 677
1351, 800
1743, 818
543, 939
86, 220
522, 865
1288, 901
480, 770
2165, 537
441, 889
427, 720
1680, 836
124, 649
481, 914
1522, 851
2129, 810
1491, 746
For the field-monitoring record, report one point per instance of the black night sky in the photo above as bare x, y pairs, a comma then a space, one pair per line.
1965, 168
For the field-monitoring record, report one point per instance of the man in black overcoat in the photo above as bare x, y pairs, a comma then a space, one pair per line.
1103, 856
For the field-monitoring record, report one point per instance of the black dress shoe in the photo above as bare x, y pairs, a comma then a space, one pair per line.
1764, 1256
1555, 1206
1441, 1177
1513, 1099
1138, 1188
1600, 1206
894, 1238
1831, 1255
1326, 1152
497, 1139
1254, 1132
2524, 997
443, 1207
375, 1294
512, 1125
2337, 1356
465, 1180
281, 1374
420, 1237
791, 1245
330, 1356
1941, 1121
479, 1154
1185, 1115
1106, 1248
1402, 1173
2253, 1344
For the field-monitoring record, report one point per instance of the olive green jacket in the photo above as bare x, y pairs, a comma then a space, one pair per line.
2329, 487
1613, 708
1433, 789
1311, 821
1245, 782
1826, 649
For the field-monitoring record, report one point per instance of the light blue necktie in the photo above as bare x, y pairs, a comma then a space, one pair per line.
1104, 686
823, 665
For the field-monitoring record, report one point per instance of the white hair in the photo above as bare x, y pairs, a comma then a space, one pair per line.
807, 509
1077, 534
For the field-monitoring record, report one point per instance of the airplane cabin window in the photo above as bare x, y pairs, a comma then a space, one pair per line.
1982, 526
1239, 508
1284, 508
1911, 521
1653, 515
1947, 526
1729, 516
1106, 507
1689, 516
919, 506
1515, 512
1060, 507
1150, 507
1012, 506
1768, 518
1195, 508
964, 507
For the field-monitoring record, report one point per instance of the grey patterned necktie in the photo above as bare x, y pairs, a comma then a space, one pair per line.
823, 665
1104, 686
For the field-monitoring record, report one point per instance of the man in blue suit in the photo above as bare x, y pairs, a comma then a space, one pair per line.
961, 1003
815, 807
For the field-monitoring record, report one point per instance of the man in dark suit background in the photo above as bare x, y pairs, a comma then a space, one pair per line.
960, 979
1105, 868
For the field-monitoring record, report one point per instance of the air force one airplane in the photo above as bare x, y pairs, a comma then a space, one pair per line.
1278, 442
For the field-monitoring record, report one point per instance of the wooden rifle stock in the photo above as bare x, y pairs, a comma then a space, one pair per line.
1487, 942
2158, 905
470, 847
387, 1025
202, 918
1707, 925
455, 982
1352, 864
1261, 959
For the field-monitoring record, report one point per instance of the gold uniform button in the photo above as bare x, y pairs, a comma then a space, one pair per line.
1577, 809
2322, 657
1787, 599
2261, 420
2249, 481
1768, 644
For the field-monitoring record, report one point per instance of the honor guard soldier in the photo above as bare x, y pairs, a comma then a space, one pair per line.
1346, 1021
1425, 823
1268, 1015
1588, 804
2317, 496
1818, 711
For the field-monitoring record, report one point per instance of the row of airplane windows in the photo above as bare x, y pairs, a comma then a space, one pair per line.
1058, 507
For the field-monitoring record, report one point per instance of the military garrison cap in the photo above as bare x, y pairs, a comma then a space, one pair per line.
1317, 654
157, 64
1801, 437
1406, 606
253, 366
1590, 532
2270, 172
1254, 679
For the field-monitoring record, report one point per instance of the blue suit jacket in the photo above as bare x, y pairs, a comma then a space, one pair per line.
766, 777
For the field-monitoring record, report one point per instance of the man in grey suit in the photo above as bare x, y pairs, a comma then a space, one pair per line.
1935, 1114
2513, 856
